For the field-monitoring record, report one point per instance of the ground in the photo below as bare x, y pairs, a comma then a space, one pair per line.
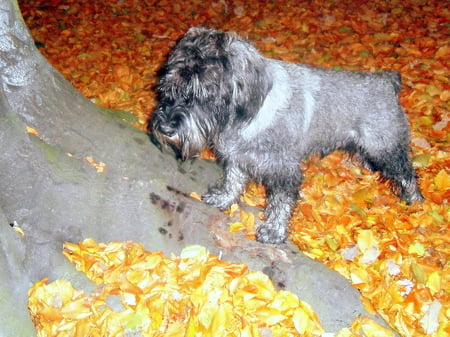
395, 255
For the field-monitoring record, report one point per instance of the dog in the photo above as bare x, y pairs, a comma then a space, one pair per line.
262, 116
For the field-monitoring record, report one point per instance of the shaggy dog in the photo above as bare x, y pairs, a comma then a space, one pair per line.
261, 117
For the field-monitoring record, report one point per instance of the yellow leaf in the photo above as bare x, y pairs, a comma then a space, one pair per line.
345, 332
362, 194
300, 319
236, 227
418, 273
32, 131
76, 309
434, 282
270, 316
194, 251
250, 330
371, 328
248, 219
359, 276
195, 196
331, 242
284, 300
192, 327
131, 319
442, 180
426, 120
421, 160
232, 210
51, 314
222, 320
416, 248
366, 240
99, 166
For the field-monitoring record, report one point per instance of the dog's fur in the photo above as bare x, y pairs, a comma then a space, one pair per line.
262, 116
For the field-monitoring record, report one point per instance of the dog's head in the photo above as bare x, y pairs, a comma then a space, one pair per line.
211, 81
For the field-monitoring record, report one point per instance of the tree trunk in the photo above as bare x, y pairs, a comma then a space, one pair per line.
50, 190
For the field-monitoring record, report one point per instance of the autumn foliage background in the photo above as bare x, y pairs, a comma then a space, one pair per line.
396, 255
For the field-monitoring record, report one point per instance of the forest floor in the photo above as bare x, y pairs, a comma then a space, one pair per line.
396, 255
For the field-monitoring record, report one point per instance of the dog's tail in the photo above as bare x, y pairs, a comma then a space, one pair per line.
395, 78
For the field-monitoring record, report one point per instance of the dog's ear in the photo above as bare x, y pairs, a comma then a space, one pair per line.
251, 82
193, 31
204, 42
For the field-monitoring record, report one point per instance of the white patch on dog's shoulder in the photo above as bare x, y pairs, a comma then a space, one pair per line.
310, 84
278, 97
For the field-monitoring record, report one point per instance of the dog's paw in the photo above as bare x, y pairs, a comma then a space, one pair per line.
218, 198
269, 233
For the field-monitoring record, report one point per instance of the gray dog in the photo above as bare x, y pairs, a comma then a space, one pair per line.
262, 116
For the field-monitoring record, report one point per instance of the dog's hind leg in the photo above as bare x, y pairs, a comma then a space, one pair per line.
395, 165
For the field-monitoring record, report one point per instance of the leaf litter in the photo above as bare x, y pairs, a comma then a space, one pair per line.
396, 255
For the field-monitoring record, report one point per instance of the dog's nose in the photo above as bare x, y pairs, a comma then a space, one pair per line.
166, 130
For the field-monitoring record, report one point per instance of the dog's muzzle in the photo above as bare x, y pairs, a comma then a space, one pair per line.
164, 131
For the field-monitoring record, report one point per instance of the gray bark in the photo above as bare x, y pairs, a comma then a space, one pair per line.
54, 195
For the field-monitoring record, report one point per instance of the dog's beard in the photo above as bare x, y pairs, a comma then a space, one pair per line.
180, 131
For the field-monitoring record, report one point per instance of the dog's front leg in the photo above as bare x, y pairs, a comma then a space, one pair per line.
281, 198
227, 192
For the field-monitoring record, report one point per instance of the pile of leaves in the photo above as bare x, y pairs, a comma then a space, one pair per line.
194, 294
396, 255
